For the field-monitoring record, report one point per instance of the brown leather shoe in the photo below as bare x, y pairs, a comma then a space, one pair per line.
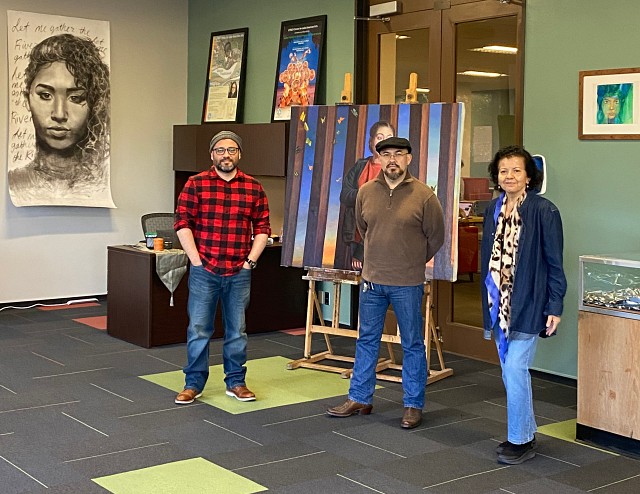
412, 418
349, 408
241, 393
187, 396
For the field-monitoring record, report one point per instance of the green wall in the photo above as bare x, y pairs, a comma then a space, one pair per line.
263, 18
594, 183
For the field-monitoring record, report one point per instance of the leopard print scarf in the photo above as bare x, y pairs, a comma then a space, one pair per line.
502, 265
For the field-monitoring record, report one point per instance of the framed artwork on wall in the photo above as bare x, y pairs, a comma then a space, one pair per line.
609, 104
299, 62
226, 71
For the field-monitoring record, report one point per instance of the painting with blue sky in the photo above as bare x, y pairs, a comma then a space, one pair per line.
331, 151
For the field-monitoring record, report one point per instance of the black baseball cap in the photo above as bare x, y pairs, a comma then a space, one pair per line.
394, 142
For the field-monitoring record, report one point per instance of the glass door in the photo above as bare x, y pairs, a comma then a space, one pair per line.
407, 43
464, 51
481, 67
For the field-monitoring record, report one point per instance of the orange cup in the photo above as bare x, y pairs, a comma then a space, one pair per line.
158, 243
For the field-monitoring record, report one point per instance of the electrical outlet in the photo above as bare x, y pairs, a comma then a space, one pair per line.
326, 298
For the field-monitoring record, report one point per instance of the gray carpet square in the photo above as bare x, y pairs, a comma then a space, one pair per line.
371, 445
607, 472
461, 432
539, 486
363, 481
453, 471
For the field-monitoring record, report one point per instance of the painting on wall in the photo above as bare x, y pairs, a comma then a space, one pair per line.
59, 111
224, 89
609, 106
332, 153
299, 63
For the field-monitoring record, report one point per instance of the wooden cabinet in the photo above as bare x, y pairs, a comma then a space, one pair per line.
609, 381
264, 147
138, 309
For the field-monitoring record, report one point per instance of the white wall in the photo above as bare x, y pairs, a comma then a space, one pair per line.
61, 252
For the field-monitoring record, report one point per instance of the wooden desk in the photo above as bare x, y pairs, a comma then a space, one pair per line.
138, 308
471, 220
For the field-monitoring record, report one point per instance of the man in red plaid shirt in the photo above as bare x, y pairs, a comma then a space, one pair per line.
218, 211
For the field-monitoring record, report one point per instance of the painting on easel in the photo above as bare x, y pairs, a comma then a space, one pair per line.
332, 153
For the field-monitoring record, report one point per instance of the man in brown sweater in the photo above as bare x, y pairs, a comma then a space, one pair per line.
401, 221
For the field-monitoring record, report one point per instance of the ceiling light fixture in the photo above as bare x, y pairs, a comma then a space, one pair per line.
478, 73
507, 50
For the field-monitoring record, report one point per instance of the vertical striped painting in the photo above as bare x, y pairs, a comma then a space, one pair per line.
325, 143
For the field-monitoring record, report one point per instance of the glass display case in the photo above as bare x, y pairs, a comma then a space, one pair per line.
610, 284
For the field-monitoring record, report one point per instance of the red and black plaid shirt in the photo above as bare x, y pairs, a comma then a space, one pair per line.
222, 216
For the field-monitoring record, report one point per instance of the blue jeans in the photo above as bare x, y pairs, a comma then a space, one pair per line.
205, 290
521, 421
407, 305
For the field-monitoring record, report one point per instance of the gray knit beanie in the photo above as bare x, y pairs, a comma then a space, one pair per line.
225, 134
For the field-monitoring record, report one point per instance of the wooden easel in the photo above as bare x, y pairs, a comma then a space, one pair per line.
338, 277
412, 91
345, 95
313, 361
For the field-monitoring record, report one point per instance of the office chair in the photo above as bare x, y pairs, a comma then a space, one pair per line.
162, 225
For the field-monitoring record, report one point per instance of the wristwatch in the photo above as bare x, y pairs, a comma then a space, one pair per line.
252, 264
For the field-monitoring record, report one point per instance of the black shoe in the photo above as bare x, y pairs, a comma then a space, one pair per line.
500, 448
514, 454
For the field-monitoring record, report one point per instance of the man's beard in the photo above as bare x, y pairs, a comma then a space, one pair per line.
226, 166
395, 175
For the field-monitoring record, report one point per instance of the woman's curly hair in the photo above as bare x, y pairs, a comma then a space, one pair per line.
534, 174
82, 59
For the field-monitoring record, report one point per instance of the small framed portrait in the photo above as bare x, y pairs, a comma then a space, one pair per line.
226, 70
609, 104
299, 63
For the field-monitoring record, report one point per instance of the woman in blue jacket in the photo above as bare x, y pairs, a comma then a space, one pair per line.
524, 286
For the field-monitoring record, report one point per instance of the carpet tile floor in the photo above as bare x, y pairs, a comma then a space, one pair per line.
82, 412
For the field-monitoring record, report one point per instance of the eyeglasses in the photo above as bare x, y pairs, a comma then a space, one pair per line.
398, 154
221, 151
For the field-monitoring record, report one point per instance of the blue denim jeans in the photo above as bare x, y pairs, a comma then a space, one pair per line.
205, 290
521, 421
407, 305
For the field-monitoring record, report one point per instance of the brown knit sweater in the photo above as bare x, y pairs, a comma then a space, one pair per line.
402, 229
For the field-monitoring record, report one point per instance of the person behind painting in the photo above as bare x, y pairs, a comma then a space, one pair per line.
363, 171
233, 90
524, 286
67, 92
612, 103
402, 223
218, 212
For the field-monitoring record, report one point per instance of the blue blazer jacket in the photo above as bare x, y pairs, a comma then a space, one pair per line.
539, 282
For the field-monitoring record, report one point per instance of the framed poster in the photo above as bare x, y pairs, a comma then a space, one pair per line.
609, 105
298, 70
224, 89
